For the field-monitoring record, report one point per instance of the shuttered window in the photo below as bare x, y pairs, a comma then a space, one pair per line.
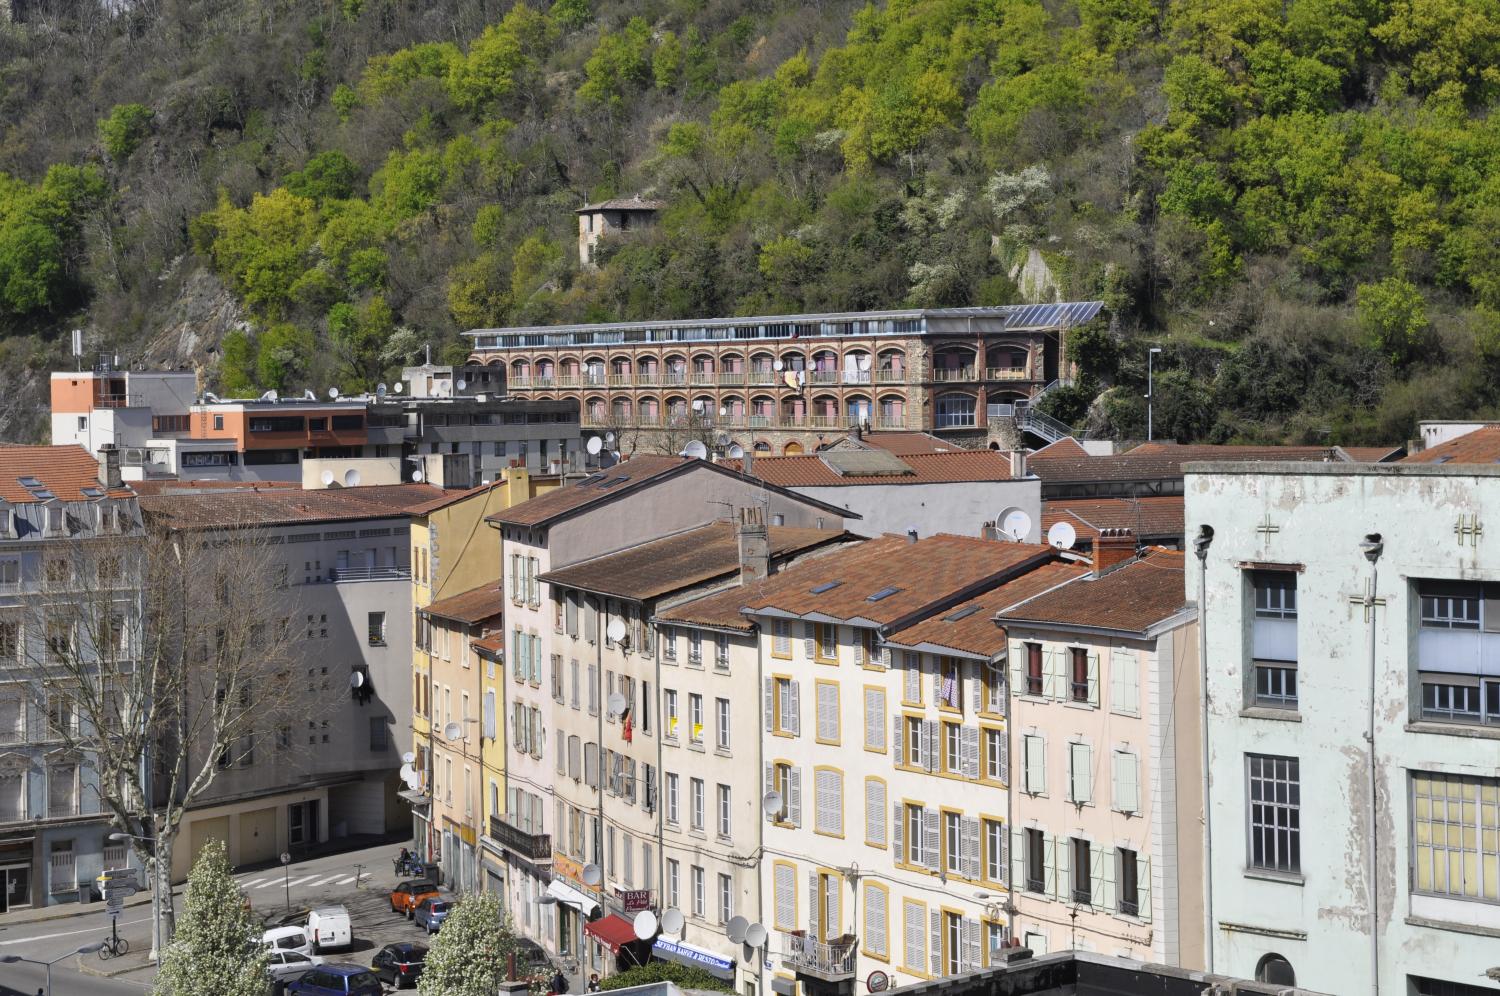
875, 812
781, 637
1124, 683
1126, 794
876, 921
828, 712
1034, 751
786, 897
828, 792
914, 923
1080, 773
875, 719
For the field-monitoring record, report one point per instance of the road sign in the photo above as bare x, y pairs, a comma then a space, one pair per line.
286, 858
113, 914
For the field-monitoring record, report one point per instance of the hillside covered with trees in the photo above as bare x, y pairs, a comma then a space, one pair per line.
1298, 200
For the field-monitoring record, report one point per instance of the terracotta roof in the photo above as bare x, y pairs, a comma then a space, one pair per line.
278, 507
1067, 446
623, 204
62, 472
1154, 461
1130, 598
453, 498
970, 626
1149, 516
175, 487
681, 561
821, 470
840, 584
492, 644
1480, 446
472, 606
906, 443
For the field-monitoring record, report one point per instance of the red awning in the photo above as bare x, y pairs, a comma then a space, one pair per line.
614, 930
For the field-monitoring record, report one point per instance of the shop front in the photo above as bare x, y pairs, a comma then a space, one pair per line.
683, 953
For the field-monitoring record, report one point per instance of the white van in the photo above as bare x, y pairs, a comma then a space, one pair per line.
287, 939
328, 927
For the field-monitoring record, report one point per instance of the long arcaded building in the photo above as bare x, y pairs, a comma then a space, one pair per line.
788, 383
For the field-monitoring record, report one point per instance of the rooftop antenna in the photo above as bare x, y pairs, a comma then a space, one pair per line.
78, 347
428, 348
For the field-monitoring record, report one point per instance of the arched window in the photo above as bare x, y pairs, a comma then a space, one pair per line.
734, 407
620, 366
955, 411
1275, 969
761, 363
857, 366
620, 408
544, 369
761, 446
792, 449
650, 410
676, 369
520, 372
570, 367
596, 408
677, 409
594, 366
857, 407
892, 363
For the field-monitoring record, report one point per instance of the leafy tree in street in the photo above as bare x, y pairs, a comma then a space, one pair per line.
217, 951
470, 955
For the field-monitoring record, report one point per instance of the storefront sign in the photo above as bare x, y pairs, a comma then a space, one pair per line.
686, 954
635, 900
878, 982
567, 867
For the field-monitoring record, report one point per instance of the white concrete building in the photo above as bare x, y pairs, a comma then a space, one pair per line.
1346, 602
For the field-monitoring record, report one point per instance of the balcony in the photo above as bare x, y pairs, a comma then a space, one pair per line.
338, 574
831, 961
1006, 373
949, 375
533, 846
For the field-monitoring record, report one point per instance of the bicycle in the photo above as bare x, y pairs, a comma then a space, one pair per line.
113, 946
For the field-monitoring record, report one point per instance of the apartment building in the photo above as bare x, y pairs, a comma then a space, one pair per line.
1353, 700
1106, 839
787, 384
344, 554
56, 503
885, 795
567, 754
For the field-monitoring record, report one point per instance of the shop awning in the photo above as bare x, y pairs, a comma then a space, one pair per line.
564, 893
694, 957
614, 931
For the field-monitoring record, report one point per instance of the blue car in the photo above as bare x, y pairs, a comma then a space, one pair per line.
432, 912
337, 980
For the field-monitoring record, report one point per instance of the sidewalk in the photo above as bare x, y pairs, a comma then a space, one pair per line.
64, 910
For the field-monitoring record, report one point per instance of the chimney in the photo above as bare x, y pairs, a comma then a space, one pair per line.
1017, 464
755, 545
1112, 547
911, 534
747, 465
109, 466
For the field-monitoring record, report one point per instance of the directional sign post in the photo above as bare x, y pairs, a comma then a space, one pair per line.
286, 877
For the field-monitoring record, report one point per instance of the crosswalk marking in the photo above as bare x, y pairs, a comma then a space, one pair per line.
299, 881
346, 881
252, 883
325, 881
268, 884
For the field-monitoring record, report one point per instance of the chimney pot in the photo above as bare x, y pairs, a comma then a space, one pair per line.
1113, 546
911, 534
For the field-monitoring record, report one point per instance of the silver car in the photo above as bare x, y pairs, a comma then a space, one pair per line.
288, 965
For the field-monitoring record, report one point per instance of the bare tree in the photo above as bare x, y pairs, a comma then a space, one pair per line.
159, 658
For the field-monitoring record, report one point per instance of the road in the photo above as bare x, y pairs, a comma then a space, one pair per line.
328, 879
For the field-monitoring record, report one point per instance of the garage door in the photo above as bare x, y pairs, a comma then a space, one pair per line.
206, 830
258, 836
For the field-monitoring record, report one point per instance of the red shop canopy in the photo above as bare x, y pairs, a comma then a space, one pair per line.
614, 930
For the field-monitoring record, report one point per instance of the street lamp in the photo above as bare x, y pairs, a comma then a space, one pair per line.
155, 890
86, 949
1150, 357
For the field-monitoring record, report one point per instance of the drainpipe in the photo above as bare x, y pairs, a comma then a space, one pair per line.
1200, 549
1010, 818
760, 823
1372, 547
661, 732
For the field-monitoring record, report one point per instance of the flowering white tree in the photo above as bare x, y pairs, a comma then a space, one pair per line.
216, 951
471, 954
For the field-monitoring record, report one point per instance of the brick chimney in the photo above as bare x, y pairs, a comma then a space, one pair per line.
109, 466
755, 545
1112, 547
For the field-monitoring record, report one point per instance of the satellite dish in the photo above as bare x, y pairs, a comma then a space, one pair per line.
609, 437
698, 406
695, 450
462, 384
1015, 523
326, 477
1062, 535
409, 758
594, 445
735, 929
616, 704
615, 630
308, 395
417, 475
399, 387
351, 478
357, 679
380, 390
453, 731
771, 803
755, 935
671, 922
333, 392
592, 875
407, 771
736, 451
778, 366
723, 410
645, 925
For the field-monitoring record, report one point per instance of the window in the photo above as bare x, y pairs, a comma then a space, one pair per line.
671, 813
828, 712
1080, 773
996, 756
953, 944
916, 741
1127, 889
950, 684
1459, 667
10, 641
1079, 687
1082, 885
1274, 639
1036, 860
726, 898
695, 719
1275, 969
380, 740
376, 629
916, 826
721, 727
721, 651
673, 883
723, 807
828, 788
1456, 835
60, 715
10, 571
1275, 813
696, 801
914, 931
955, 411
1033, 669
875, 812
59, 640
783, 707
994, 850
781, 638
827, 637
875, 719
993, 676
695, 648
953, 844
953, 748
12, 795
670, 704
877, 900
1034, 759
62, 790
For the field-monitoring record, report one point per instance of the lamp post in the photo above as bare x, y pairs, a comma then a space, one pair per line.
86, 949
1150, 358
155, 888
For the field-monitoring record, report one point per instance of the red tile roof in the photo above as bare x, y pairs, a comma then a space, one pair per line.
492, 644
64, 471
175, 487
908, 443
453, 498
1067, 446
1155, 461
1147, 517
820, 470
681, 561
1130, 598
970, 626
1480, 446
277, 506
472, 606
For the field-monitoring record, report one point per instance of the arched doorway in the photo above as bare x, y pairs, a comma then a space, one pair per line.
1275, 969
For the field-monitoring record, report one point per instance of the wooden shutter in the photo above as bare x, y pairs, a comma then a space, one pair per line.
1005, 755
833, 923
1126, 794
897, 722
859, 647
1080, 772
968, 929
932, 851
794, 796
1018, 860
1005, 875
1124, 682
770, 786
969, 751
875, 920
809, 641
1093, 673
1049, 673
1035, 749
1049, 865
814, 920
827, 801
562, 750
786, 897
898, 832
1104, 898
976, 686
935, 941
1061, 857
1143, 885
875, 811
1096, 878
793, 722
916, 948
828, 711
875, 718
913, 676
1018, 667
968, 834
929, 744
770, 705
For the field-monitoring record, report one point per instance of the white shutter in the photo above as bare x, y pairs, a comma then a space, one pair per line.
770, 785
786, 897
875, 718
1062, 853
1018, 667
897, 721
875, 811
828, 801
1124, 682
1018, 860
814, 921
969, 932
1049, 865
794, 720
1127, 797
809, 643
932, 851
1005, 875
770, 705
929, 744
562, 749
935, 951
969, 741
859, 647
828, 712
898, 832
1096, 877
833, 894
968, 831
1035, 749
794, 794
1093, 672
1005, 756
1049, 673
875, 920
913, 676
916, 936
1080, 773
937, 678
1143, 885
1107, 879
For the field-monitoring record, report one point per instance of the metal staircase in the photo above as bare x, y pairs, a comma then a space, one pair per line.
1041, 425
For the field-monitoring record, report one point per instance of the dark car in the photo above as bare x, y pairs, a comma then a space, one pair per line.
399, 964
337, 980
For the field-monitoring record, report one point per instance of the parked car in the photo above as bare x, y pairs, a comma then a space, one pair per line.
400, 964
287, 939
329, 927
432, 912
531, 959
289, 964
337, 980
407, 896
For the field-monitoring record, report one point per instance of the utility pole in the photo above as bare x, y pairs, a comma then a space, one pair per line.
1150, 357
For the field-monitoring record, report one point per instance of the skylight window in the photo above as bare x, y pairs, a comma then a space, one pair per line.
28, 482
882, 593
612, 482
93, 492
825, 586
962, 613
1442, 459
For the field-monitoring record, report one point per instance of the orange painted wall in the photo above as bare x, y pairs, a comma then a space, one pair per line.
73, 395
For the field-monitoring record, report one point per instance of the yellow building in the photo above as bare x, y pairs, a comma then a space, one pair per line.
455, 557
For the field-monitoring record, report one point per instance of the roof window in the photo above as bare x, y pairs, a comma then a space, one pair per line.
825, 586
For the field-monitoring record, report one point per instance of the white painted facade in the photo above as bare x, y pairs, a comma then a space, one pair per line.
959, 508
1297, 530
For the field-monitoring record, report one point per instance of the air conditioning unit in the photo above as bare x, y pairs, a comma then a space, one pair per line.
135, 457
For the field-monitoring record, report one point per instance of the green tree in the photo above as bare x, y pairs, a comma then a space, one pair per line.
469, 955
621, 62
571, 14
236, 363
327, 176
263, 249
124, 130
358, 334
1394, 317
500, 59
216, 950
285, 354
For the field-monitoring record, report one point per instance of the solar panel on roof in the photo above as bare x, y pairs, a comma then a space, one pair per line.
825, 586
